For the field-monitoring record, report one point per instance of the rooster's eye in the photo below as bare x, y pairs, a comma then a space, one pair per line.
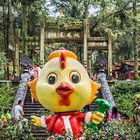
75, 77
52, 77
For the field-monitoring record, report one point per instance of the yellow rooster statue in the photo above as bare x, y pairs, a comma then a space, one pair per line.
64, 88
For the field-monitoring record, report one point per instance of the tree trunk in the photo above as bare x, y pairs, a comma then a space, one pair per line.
24, 28
135, 43
11, 32
86, 35
4, 28
6, 36
86, 16
17, 65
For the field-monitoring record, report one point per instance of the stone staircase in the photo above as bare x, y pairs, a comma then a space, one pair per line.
34, 109
93, 106
37, 109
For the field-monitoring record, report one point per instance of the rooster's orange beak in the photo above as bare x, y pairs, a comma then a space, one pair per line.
64, 89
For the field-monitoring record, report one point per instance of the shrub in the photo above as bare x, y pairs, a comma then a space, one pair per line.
6, 96
124, 96
19, 131
113, 128
3, 63
126, 87
125, 103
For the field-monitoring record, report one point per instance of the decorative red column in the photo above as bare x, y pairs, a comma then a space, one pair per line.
129, 76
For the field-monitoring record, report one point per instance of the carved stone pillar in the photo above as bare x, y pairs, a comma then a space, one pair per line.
42, 42
109, 31
90, 62
85, 36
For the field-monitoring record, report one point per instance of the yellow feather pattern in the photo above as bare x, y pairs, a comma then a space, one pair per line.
94, 90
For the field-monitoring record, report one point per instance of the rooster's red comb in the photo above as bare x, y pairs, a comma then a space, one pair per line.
63, 59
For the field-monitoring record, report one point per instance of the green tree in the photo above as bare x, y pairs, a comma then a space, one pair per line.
73, 8
135, 36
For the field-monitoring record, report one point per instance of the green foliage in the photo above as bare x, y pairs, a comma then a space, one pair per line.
72, 47
70, 8
113, 128
125, 103
6, 96
113, 14
64, 23
20, 131
124, 96
3, 63
126, 87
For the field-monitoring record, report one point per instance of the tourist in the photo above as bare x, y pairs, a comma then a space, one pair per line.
114, 115
36, 70
94, 77
116, 76
19, 112
31, 72
5, 118
6, 114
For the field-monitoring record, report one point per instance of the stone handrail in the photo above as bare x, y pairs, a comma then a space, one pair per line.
21, 91
105, 90
6, 81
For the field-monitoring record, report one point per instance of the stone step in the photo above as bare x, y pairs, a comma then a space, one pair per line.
29, 100
41, 138
33, 106
29, 103
40, 134
34, 109
39, 130
32, 112
27, 109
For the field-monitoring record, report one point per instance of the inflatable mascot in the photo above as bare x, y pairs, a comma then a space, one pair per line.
64, 88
